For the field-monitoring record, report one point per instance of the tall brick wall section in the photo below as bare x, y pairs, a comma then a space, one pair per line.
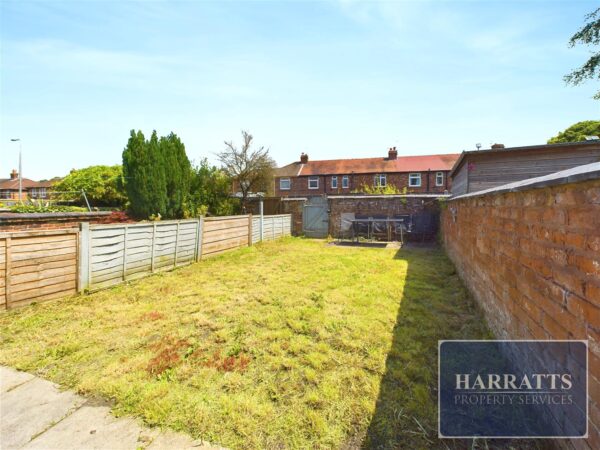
377, 206
54, 221
295, 207
532, 261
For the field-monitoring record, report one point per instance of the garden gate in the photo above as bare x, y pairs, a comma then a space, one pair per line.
315, 217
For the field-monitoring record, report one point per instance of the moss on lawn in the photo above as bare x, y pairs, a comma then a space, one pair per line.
289, 344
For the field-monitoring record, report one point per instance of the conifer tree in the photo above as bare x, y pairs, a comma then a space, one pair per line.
178, 172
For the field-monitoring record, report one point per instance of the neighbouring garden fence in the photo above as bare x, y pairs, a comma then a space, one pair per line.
43, 265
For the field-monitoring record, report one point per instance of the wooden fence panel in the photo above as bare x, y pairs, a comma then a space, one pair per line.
42, 265
129, 251
222, 234
37, 266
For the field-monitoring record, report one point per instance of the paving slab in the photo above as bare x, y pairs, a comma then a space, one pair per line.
90, 427
11, 378
31, 408
35, 414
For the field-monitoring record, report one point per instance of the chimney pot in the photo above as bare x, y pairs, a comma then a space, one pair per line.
392, 153
304, 158
14, 175
497, 146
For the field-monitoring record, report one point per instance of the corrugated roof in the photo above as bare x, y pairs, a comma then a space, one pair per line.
417, 163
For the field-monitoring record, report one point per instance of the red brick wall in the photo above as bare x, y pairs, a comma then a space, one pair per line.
24, 223
299, 185
532, 261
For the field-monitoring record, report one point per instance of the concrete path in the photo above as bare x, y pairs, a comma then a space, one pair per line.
35, 414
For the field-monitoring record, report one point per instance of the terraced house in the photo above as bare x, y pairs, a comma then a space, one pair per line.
417, 174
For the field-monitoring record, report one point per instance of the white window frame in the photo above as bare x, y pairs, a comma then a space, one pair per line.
439, 178
313, 179
345, 182
289, 181
417, 176
377, 182
334, 182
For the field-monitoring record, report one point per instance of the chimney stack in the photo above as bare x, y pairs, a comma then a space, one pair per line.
14, 175
497, 146
304, 158
392, 153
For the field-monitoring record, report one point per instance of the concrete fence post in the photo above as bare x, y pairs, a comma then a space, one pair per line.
262, 219
176, 244
199, 245
125, 253
249, 230
83, 278
152, 257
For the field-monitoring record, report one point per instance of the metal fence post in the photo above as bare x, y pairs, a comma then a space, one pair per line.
83, 279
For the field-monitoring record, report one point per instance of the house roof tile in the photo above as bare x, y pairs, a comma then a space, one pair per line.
370, 165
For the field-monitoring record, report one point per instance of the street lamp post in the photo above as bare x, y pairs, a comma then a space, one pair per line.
20, 169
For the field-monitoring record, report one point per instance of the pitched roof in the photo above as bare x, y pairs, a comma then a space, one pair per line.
552, 147
13, 184
370, 165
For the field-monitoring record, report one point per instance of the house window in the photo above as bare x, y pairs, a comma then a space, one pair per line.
313, 182
333, 182
414, 180
439, 178
345, 182
284, 184
380, 180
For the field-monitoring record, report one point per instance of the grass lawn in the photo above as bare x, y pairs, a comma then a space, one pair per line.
288, 344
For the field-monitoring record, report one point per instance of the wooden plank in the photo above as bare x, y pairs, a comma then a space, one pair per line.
37, 233
44, 298
41, 266
44, 239
229, 244
107, 233
43, 254
68, 286
107, 242
220, 235
40, 275
46, 281
20, 246
40, 260
105, 258
250, 230
224, 224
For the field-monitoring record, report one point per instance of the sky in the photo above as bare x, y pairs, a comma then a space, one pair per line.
334, 79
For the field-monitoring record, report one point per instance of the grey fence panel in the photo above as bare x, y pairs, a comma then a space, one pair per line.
116, 253
122, 252
274, 227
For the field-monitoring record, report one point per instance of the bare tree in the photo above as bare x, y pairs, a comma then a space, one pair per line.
251, 170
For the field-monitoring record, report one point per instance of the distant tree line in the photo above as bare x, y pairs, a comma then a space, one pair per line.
157, 179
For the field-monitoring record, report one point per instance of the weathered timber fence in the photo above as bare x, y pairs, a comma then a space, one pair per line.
43, 265
37, 266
